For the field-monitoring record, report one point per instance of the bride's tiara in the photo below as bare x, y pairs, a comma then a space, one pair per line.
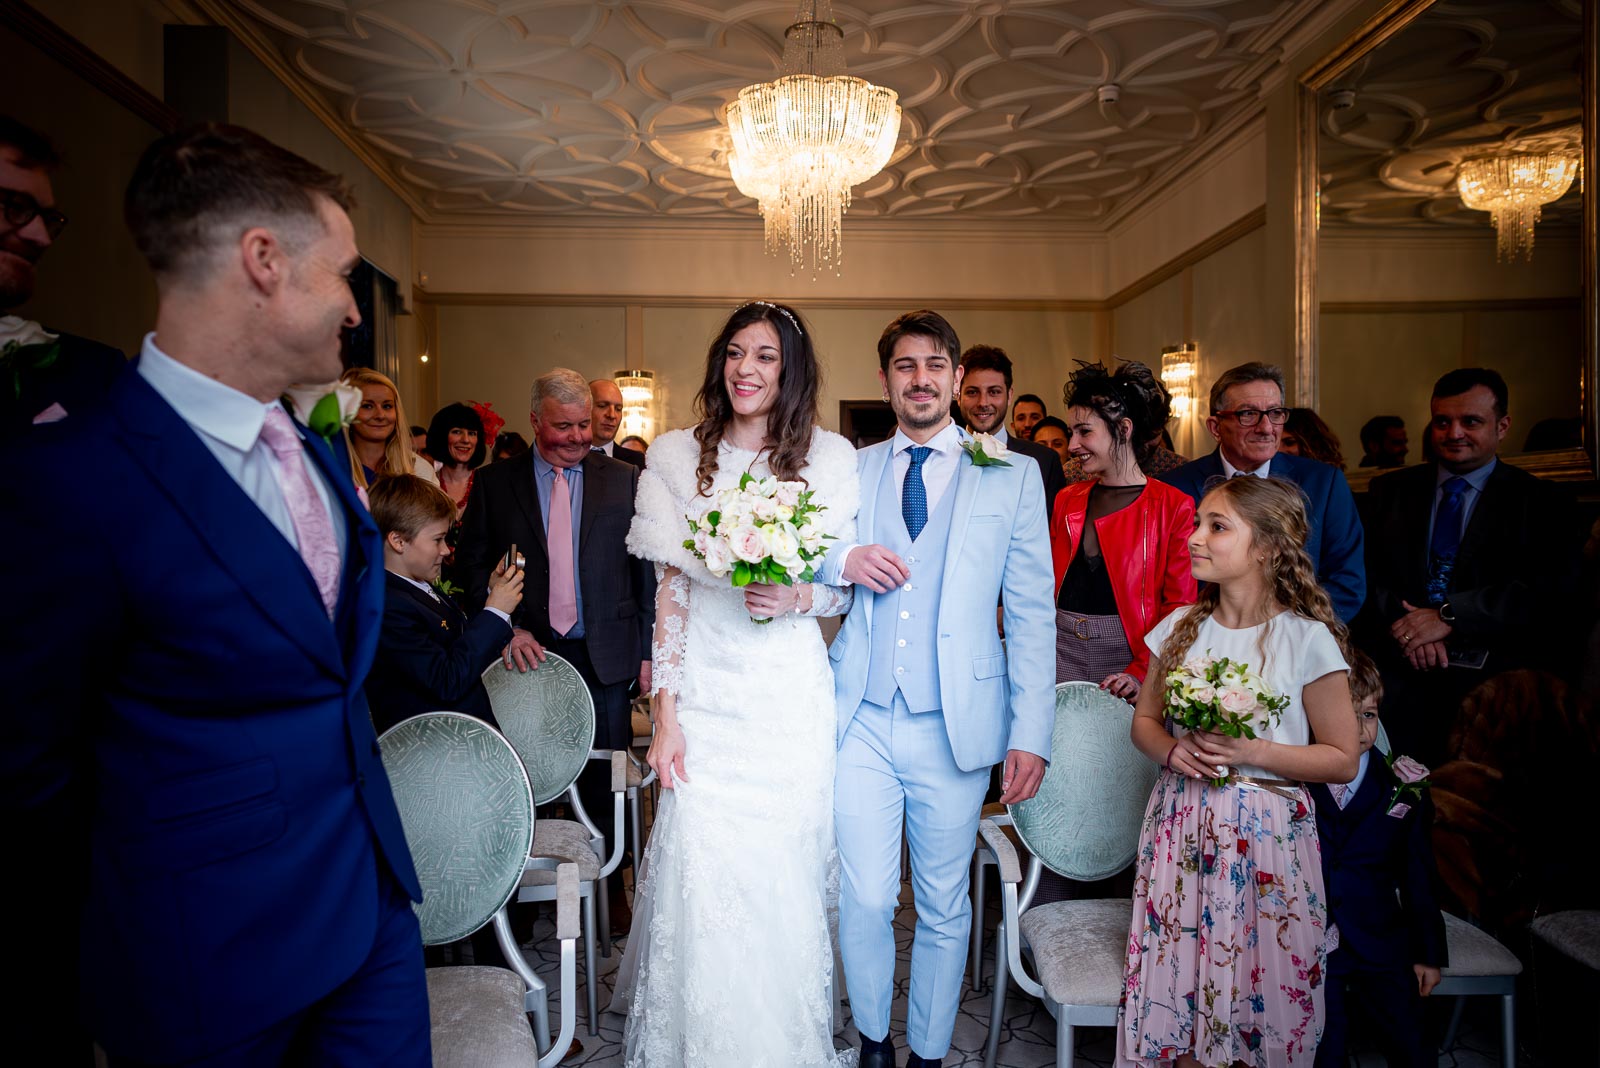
785, 312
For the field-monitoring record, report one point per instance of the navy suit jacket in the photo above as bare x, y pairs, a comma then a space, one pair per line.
78, 380
1335, 541
186, 728
1379, 874
431, 657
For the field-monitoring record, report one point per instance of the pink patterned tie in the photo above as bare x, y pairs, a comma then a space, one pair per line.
563, 587
1338, 790
313, 529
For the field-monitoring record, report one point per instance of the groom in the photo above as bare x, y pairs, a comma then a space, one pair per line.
928, 696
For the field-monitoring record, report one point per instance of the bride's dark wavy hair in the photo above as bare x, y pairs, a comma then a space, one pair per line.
793, 415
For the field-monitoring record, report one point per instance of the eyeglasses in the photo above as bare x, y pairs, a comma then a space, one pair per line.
1252, 416
20, 209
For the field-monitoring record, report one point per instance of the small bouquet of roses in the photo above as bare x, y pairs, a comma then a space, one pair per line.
764, 531
1413, 779
1221, 696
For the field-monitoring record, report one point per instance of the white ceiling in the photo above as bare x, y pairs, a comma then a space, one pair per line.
1468, 78
614, 108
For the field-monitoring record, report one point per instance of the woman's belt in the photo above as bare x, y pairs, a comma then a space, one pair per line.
1284, 788
1085, 627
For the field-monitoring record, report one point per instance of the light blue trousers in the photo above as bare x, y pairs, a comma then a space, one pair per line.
894, 767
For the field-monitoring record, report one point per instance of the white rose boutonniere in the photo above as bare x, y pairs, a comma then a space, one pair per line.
985, 450
325, 409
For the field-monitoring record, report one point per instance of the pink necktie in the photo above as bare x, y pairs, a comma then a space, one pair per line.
1338, 790
563, 588
313, 529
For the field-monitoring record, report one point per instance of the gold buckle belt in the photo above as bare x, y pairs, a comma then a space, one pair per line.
1284, 788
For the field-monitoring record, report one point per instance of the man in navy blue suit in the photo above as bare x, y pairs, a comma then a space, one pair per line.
1247, 417
186, 721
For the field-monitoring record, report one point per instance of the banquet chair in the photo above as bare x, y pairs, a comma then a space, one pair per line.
1479, 964
983, 859
1082, 824
467, 810
548, 717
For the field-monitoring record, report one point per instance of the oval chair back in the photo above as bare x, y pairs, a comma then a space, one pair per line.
1084, 821
468, 816
548, 717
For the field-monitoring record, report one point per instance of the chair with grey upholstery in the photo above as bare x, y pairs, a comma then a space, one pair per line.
1479, 965
1082, 824
467, 810
548, 717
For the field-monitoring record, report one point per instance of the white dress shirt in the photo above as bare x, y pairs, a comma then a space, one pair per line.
938, 471
229, 424
1264, 471
609, 448
431, 592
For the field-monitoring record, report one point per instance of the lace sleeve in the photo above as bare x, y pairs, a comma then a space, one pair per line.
672, 631
830, 600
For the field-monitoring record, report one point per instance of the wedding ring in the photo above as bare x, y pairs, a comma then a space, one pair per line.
1405, 638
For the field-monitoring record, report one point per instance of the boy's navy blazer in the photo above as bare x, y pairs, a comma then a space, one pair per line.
1369, 855
430, 657
188, 731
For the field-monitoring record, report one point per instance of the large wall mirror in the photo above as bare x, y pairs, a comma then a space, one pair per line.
1433, 113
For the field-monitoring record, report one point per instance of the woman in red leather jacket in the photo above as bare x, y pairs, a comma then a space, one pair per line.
1119, 540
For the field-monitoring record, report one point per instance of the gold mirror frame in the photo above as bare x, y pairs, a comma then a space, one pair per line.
1576, 465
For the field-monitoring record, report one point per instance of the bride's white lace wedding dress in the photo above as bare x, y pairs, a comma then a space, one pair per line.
730, 961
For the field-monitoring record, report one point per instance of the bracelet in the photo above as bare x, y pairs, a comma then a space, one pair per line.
1168, 763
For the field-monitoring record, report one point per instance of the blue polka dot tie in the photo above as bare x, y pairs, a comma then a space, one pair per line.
913, 494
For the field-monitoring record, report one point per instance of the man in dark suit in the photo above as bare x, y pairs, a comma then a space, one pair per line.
607, 417
48, 375
1474, 567
1380, 878
984, 399
185, 718
1247, 417
584, 599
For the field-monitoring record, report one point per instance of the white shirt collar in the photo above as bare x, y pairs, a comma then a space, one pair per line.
1264, 471
423, 586
944, 441
606, 448
218, 411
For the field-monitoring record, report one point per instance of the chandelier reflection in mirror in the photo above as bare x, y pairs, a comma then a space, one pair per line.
1513, 189
801, 142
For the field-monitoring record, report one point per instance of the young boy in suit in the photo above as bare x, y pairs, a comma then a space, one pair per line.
1377, 865
430, 655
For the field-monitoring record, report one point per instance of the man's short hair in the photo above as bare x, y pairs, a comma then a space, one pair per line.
1374, 429
987, 358
1029, 398
202, 187
34, 150
923, 323
1050, 420
1243, 375
404, 504
1365, 681
415, 430
1454, 383
563, 385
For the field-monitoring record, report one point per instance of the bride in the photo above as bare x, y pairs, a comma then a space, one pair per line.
730, 961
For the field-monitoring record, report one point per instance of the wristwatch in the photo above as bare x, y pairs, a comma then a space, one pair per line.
1447, 613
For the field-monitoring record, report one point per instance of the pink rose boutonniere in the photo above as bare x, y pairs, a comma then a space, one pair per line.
1413, 778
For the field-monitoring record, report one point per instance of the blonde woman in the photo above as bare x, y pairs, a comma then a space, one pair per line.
380, 439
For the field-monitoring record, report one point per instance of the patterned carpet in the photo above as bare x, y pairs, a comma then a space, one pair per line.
1028, 1039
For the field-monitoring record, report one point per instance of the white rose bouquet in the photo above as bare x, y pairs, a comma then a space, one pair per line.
1221, 696
764, 531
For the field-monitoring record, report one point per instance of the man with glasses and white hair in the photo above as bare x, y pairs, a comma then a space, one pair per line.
1247, 417
47, 375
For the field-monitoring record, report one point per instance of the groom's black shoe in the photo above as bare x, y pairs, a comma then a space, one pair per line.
877, 1054
924, 1062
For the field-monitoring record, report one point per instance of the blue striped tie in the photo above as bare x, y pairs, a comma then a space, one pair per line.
914, 495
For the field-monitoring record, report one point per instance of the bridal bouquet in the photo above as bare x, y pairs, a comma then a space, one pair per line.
764, 531
1221, 696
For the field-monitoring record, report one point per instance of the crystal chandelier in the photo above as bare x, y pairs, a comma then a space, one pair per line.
1512, 189
801, 142
1179, 367
638, 389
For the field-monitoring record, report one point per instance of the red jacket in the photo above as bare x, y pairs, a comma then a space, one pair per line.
1146, 551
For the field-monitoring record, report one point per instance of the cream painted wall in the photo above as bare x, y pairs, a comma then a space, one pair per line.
1389, 266
905, 262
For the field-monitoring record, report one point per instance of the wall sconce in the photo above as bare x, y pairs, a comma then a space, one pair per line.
638, 389
1180, 370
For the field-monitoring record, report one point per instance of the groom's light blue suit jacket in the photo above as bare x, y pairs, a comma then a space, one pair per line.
996, 696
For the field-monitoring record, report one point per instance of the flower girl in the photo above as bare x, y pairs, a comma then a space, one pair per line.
1230, 933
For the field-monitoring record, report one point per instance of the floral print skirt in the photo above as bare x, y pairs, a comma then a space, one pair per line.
1230, 937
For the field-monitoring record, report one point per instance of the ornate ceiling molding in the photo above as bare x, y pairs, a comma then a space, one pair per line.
539, 109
